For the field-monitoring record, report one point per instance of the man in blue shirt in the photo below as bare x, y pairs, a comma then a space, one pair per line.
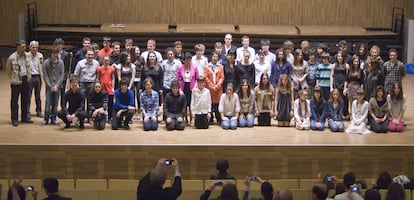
124, 107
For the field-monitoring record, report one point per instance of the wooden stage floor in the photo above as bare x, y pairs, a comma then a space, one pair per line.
34, 134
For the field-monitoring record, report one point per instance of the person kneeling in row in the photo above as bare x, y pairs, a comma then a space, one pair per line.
124, 106
229, 108
98, 105
175, 105
302, 111
149, 99
201, 104
75, 111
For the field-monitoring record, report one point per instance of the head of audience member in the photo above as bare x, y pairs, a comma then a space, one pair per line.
245, 41
16, 190
20, 46
339, 188
283, 194
106, 42
116, 46
395, 192
228, 38
329, 179
51, 185
349, 179
229, 192
158, 176
266, 189
222, 165
123, 84
372, 194
319, 191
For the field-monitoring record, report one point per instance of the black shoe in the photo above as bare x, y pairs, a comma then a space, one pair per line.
44, 123
81, 126
67, 125
15, 123
39, 115
210, 123
54, 123
127, 127
28, 121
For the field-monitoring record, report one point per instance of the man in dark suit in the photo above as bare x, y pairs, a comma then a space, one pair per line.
228, 39
150, 187
51, 186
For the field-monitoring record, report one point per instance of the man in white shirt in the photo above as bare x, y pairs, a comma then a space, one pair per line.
151, 45
199, 60
245, 46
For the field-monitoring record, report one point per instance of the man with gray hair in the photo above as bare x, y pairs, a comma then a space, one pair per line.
150, 187
36, 64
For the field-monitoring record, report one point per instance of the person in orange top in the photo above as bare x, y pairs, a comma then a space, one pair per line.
214, 75
106, 75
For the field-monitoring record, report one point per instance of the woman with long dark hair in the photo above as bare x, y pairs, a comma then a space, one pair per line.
264, 97
246, 97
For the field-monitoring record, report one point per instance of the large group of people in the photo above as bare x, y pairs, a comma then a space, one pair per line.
231, 88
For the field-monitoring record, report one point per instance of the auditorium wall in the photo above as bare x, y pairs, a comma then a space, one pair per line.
367, 13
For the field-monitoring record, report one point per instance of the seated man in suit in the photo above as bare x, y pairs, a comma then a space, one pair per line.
151, 185
51, 186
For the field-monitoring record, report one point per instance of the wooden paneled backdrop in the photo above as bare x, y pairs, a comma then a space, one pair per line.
367, 13
198, 162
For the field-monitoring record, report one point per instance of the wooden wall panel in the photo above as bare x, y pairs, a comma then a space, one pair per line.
198, 162
367, 13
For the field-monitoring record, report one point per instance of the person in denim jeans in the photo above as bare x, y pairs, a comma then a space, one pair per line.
246, 97
149, 99
229, 108
335, 107
54, 76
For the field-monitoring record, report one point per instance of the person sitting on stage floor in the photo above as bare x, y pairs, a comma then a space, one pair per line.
229, 192
302, 111
98, 105
229, 108
124, 106
350, 192
175, 105
319, 191
397, 105
335, 109
51, 186
75, 111
201, 104
266, 189
222, 166
149, 100
283, 194
319, 110
150, 187
246, 97
359, 115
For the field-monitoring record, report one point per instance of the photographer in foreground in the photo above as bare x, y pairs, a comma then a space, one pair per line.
18, 192
150, 187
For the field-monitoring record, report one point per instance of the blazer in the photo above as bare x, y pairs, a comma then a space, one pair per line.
208, 74
193, 76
